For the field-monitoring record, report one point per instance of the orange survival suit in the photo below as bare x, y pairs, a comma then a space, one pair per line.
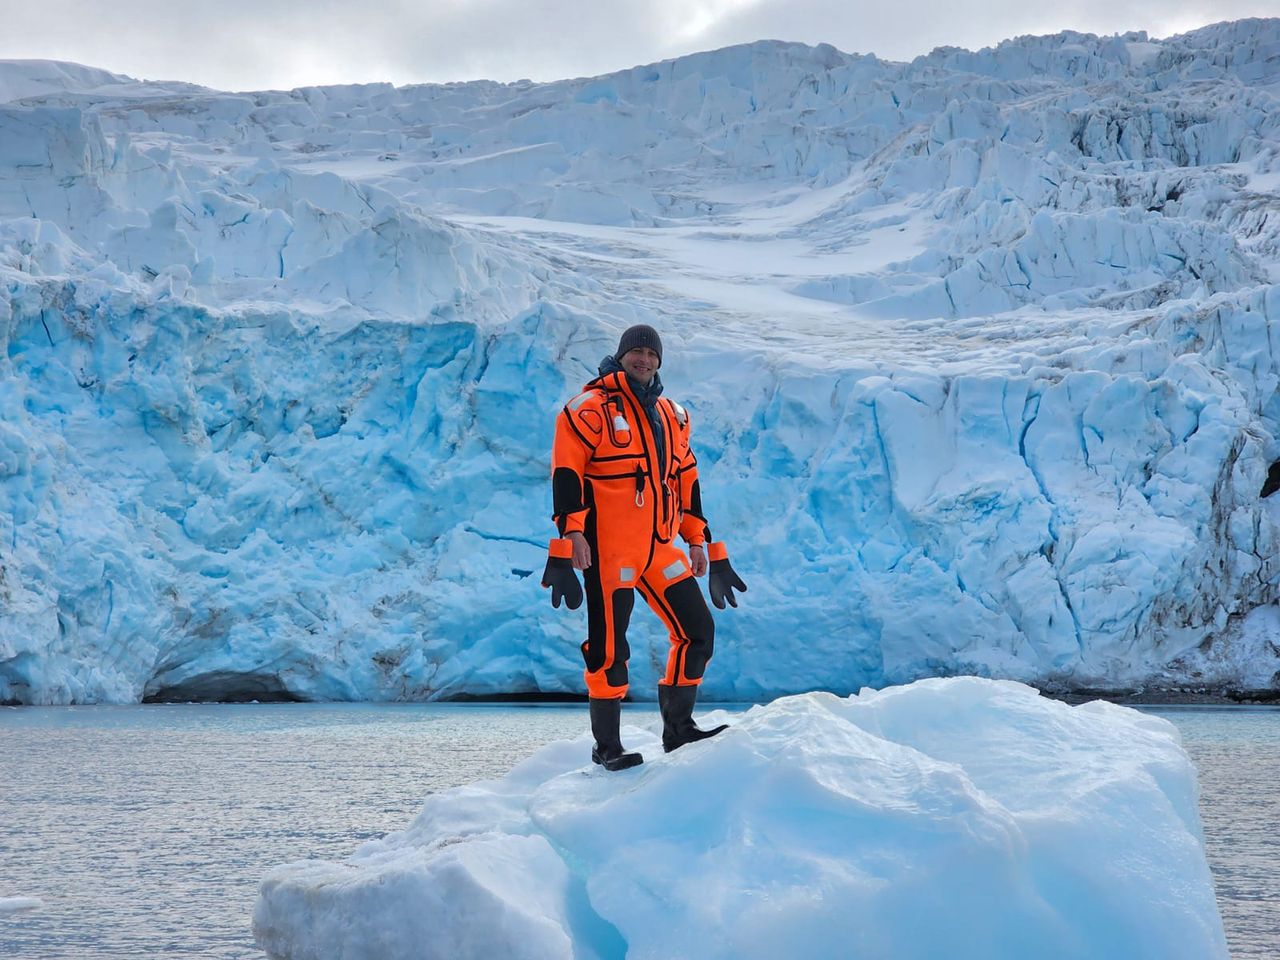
629, 492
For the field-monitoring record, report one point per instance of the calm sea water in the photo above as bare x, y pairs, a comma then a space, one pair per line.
1237, 751
145, 830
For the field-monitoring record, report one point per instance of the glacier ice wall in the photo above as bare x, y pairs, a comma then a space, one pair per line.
979, 351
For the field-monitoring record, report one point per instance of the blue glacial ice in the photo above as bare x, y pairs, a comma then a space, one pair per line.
957, 817
979, 351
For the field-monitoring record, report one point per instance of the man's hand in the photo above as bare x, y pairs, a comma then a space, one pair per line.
724, 580
581, 551
698, 559
559, 575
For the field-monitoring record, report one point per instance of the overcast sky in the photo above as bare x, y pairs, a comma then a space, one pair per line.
259, 44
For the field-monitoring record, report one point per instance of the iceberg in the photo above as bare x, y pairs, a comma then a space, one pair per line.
980, 350
961, 817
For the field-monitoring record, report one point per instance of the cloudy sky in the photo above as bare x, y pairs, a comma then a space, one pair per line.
258, 44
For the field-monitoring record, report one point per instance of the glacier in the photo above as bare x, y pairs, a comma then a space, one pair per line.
979, 352
956, 817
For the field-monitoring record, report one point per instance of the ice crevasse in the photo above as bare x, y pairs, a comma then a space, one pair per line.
979, 351
963, 818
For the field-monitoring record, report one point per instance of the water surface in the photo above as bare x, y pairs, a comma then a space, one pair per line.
1237, 753
145, 830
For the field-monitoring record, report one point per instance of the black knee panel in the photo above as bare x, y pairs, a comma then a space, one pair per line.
593, 651
624, 600
690, 611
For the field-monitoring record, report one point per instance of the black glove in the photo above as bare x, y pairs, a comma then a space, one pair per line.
559, 576
723, 580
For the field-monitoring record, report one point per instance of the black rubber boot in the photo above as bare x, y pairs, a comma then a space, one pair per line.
606, 715
678, 727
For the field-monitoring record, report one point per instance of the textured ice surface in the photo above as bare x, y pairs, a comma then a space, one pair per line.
978, 351
964, 818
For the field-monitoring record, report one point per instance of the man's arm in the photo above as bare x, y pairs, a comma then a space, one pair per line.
575, 442
578, 432
697, 533
693, 525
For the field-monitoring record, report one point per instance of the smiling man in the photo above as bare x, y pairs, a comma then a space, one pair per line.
624, 483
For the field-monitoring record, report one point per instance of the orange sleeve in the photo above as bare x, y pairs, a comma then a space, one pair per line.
693, 525
578, 431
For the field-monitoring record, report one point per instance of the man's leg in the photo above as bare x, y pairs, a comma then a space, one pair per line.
605, 653
668, 586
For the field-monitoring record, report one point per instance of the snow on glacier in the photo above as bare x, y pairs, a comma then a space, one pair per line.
952, 817
978, 350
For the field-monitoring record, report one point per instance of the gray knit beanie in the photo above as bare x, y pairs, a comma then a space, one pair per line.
641, 335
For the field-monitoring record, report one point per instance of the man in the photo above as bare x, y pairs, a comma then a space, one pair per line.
624, 483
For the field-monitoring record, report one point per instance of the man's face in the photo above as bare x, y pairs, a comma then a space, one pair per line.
641, 363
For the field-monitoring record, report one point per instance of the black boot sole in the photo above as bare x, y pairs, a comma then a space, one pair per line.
624, 761
691, 736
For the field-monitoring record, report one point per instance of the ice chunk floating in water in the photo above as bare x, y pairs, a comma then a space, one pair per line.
959, 818
18, 904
